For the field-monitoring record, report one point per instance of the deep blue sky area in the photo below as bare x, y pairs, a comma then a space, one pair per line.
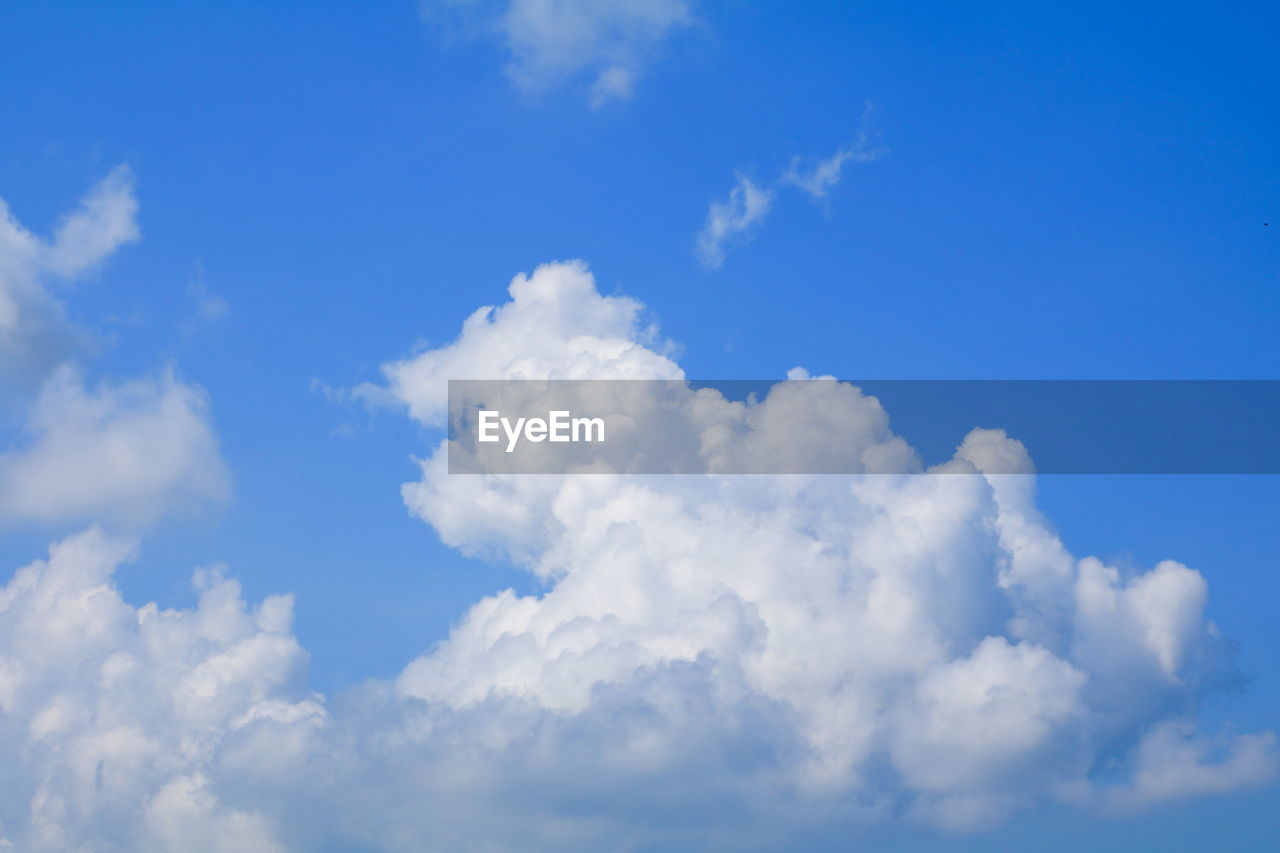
1067, 191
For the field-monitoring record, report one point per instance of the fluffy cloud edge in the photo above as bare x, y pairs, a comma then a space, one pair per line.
799, 654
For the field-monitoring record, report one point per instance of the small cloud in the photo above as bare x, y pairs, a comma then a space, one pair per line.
131, 452
1174, 763
367, 396
372, 398
35, 335
210, 307
206, 307
107, 219
732, 222
817, 176
614, 83
551, 43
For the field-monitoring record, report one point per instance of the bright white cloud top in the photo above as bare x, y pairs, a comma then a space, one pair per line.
794, 653
893, 618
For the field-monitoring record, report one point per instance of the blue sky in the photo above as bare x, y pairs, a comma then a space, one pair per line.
1063, 192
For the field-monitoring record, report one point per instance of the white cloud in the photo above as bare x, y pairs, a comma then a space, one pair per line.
608, 42
1173, 763
712, 663
209, 307
106, 220
128, 452
817, 176
125, 452
556, 326
116, 721
731, 223
614, 83
893, 617
33, 334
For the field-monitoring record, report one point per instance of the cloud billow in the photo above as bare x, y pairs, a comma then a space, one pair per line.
712, 663
895, 617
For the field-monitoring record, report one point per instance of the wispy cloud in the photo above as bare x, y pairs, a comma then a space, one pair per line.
34, 335
733, 221
209, 307
818, 175
602, 43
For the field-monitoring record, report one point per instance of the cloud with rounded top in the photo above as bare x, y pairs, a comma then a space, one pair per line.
714, 662
894, 617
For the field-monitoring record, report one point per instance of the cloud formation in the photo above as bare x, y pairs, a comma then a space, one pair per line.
607, 43
712, 663
893, 618
114, 720
732, 222
817, 176
127, 453
34, 336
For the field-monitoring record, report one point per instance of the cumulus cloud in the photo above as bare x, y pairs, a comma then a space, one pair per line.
33, 334
556, 326
141, 728
114, 719
127, 452
607, 43
817, 176
893, 617
732, 222
711, 663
